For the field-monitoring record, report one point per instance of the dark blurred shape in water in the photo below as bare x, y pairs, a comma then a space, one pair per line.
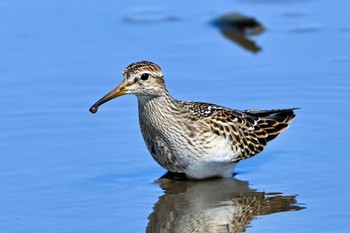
217, 205
305, 28
237, 27
148, 16
340, 59
293, 13
345, 29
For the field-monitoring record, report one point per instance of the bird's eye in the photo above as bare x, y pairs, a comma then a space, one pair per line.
144, 76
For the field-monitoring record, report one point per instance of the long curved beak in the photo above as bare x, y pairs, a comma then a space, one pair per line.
116, 92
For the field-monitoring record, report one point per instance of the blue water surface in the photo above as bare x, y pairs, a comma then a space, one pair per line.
63, 169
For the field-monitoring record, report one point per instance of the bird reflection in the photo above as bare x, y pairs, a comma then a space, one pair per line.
217, 205
237, 27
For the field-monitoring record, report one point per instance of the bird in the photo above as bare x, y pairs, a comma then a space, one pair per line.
197, 139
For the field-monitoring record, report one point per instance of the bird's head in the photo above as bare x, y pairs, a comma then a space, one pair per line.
140, 78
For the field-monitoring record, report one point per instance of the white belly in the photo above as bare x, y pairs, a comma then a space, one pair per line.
210, 169
216, 162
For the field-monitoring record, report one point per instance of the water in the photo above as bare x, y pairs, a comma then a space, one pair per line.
63, 169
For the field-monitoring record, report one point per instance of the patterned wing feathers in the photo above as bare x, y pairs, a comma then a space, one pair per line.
249, 132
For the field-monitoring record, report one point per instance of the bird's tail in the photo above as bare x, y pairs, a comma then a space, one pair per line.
273, 122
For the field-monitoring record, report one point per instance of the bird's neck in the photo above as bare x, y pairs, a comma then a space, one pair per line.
160, 118
160, 103
157, 111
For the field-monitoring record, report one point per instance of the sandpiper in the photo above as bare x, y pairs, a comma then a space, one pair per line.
198, 139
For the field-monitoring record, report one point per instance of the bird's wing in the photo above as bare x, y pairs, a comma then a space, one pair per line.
247, 130
242, 130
